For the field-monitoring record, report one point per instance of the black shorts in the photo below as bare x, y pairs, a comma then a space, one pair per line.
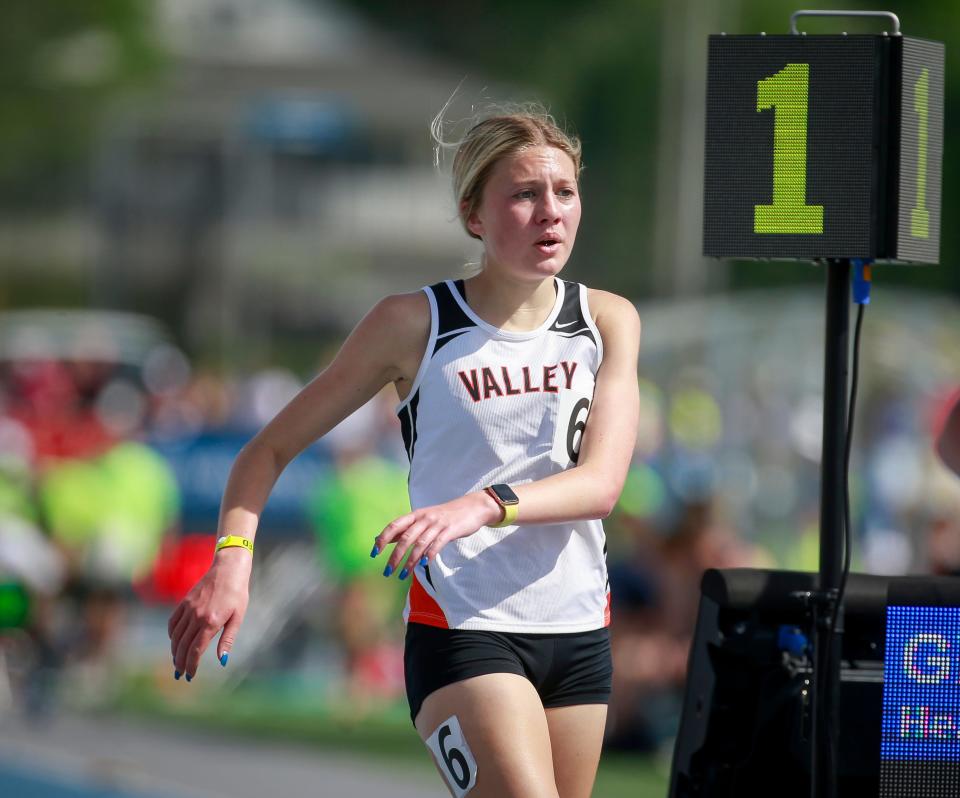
566, 669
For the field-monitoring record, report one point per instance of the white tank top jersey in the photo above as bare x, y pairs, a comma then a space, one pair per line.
490, 406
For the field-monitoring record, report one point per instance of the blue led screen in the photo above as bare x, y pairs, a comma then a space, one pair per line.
920, 742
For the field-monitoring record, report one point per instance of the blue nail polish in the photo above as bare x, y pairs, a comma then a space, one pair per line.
424, 560
404, 573
189, 678
223, 659
176, 674
388, 570
376, 551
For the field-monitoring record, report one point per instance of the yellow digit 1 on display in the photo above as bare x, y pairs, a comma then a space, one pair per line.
920, 216
786, 92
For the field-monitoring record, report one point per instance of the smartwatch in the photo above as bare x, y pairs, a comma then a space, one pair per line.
507, 499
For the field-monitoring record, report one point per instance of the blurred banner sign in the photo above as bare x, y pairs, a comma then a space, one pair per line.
825, 146
202, 465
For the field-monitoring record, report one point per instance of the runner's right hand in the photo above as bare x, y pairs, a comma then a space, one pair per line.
218, 601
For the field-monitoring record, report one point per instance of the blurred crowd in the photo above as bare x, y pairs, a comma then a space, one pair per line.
85, 502
103, 512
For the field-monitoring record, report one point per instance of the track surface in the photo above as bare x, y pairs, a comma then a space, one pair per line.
74, 756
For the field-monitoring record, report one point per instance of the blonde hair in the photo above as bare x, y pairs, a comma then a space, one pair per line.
497, 133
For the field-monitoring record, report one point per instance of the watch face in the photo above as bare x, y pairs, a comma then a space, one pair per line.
505, 494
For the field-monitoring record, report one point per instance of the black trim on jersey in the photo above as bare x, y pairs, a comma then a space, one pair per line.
570, 322
442, 342
451, 320
408, 425
607, 586
406, 428
412, 407
426, 570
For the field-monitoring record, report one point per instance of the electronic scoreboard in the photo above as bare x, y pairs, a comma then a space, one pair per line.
745, 725
825, 146
920, 743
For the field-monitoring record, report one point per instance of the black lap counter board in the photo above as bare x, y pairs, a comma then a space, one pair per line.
823, 146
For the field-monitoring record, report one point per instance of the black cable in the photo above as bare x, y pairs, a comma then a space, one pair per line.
847, 532
823, 665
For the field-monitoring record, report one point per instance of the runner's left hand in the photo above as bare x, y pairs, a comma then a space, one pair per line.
425, 531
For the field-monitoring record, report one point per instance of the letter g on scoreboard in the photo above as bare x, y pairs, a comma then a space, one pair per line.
925, 659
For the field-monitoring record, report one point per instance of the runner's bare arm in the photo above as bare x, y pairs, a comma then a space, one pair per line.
590, 490
386, 346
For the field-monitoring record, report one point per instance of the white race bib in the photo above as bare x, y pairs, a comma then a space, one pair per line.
453, 756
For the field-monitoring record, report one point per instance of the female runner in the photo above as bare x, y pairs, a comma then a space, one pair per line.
518, 406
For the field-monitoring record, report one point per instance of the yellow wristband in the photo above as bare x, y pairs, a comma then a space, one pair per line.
510, 512
233, 540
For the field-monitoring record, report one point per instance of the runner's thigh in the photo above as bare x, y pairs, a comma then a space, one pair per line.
576, 737
504, 726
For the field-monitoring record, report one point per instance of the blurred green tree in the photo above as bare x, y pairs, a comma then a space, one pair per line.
59, 65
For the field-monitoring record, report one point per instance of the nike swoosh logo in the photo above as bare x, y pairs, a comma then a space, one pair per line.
558, 324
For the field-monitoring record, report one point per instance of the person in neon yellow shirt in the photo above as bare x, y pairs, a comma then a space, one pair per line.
111, 512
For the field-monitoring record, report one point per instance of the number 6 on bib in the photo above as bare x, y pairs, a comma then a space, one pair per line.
454, 757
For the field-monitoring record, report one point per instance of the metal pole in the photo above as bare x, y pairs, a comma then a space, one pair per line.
825, 740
